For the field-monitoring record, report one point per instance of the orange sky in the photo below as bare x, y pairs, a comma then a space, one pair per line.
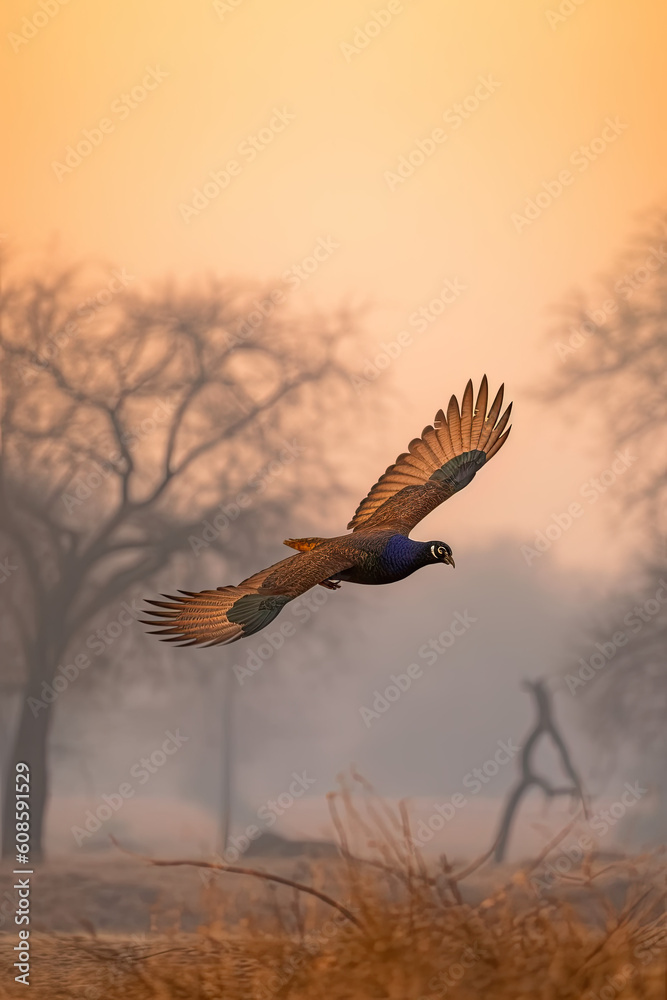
339, 119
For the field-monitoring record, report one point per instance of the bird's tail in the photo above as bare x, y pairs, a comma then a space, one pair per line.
213, 617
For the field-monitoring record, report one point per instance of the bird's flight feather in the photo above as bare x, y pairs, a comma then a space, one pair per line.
208, 617
438, 464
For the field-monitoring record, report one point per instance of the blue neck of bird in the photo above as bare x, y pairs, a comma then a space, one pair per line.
404, 554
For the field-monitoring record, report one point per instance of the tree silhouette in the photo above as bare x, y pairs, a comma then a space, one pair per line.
127, 421
545, 725
612, 346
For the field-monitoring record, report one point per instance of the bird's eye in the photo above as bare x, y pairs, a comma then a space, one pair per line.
437, 551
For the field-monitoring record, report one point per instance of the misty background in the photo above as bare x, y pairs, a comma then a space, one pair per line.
163, 438
178, 332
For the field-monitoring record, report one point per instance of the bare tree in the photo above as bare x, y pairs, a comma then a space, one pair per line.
612, 347
545, 725
127, 423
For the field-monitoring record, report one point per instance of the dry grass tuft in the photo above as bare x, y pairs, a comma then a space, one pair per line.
595, 932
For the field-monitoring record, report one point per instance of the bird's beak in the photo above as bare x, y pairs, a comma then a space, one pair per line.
450, 560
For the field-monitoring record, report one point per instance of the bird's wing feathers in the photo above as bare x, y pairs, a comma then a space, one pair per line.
297, 574
438, 464
212, 617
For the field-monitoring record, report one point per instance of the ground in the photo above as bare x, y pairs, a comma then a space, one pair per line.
112, 927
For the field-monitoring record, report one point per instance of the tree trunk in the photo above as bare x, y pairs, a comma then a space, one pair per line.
31, 747
508, 818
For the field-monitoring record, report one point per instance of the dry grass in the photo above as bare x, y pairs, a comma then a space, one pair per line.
597, 933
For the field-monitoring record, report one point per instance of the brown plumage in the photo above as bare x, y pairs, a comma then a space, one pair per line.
436, 465
408, 491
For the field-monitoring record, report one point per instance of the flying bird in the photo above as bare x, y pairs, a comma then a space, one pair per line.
378, 549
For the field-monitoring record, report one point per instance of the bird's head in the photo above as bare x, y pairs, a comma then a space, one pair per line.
441, 552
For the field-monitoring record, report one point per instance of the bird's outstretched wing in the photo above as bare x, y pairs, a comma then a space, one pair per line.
438, 464
212, 617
